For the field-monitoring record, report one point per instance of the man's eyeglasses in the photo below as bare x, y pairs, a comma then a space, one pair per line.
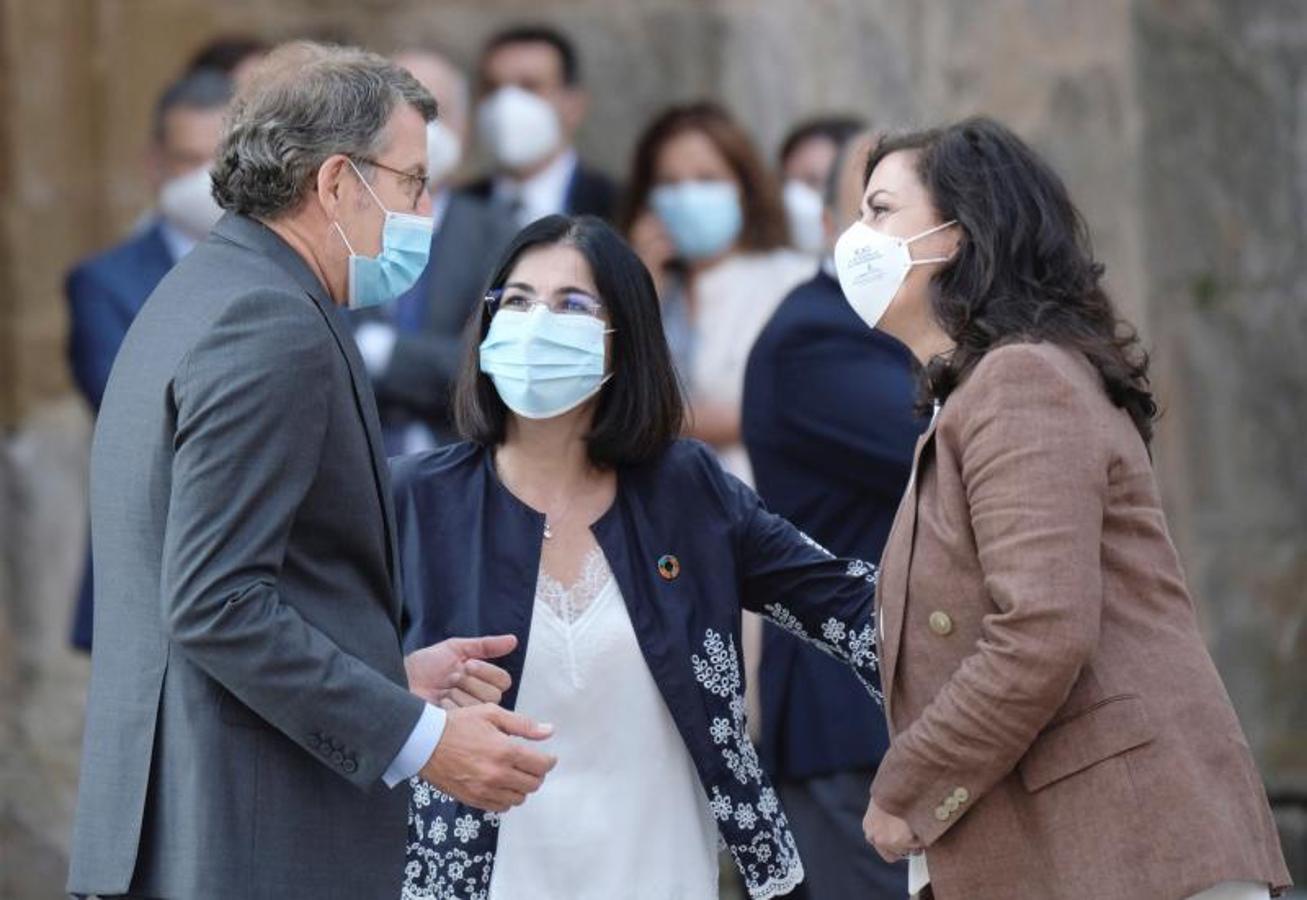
570, 303
413, 184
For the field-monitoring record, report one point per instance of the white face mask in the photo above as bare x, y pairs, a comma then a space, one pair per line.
187, 203
871, 267
803, 207
519, 128
444, 151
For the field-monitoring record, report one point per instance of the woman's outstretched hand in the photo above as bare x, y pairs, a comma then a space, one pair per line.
456, 673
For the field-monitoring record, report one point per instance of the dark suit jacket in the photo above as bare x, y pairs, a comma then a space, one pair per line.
829, 427
592, 193
104, 294
464, 251
247, 686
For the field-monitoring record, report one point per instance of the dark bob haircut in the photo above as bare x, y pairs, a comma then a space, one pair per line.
640, 411
1024, 270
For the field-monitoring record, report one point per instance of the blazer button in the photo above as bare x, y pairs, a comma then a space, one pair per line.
940, 623
337, 757
942, 813
962, 795
350, 767
952, 804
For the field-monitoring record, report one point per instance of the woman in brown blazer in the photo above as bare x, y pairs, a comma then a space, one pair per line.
1058, 727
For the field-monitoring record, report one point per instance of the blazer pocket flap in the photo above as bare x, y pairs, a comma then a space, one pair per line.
1106, 729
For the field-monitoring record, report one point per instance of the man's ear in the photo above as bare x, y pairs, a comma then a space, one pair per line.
329, 186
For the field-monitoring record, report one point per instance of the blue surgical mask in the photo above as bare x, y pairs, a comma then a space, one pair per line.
703, 218
405, 246
544, 363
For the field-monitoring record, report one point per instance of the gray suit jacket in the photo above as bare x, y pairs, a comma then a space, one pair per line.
247, 688
464, 252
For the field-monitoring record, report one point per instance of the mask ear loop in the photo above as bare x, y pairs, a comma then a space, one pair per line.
375, 198
927, 233
341, 232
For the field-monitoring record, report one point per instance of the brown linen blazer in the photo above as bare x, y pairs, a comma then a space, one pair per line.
1058, 729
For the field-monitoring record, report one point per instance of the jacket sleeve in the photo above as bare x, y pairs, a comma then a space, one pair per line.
251, 402
793, 581
96, 331
1034, 465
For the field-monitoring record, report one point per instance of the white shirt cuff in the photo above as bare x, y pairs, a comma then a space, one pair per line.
418, 748
376, 345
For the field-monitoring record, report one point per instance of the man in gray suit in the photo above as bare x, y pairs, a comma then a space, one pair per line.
250, 708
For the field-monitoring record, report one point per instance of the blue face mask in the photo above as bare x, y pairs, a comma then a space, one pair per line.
405, 245
703, 218
544, 363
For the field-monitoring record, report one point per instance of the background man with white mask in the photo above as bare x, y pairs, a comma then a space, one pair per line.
106, 291
412, 347
531, 105
248, 667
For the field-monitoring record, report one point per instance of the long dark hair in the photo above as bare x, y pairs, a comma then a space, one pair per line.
765, 225
1024, 269
640, 411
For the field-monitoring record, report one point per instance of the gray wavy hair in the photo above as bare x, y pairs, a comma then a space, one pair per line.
305, 103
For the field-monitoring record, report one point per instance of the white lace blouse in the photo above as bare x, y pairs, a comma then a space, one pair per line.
623, 814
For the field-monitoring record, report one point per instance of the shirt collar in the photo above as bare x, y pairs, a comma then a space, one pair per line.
544, 193
178, 242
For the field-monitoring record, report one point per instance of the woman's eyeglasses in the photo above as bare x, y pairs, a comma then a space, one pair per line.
566, 304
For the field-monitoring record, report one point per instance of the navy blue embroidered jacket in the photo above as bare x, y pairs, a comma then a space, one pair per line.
470, 556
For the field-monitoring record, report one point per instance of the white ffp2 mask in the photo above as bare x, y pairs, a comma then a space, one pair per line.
519, 128
871, 267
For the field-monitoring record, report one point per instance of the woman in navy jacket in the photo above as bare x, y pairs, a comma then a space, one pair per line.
572, 469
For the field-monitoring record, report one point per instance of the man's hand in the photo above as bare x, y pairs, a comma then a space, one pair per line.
478, 762
891, 836
454, 672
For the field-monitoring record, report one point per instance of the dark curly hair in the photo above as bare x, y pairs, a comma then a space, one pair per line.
1024, 270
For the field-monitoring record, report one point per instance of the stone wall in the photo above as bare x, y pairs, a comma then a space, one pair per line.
1180, 127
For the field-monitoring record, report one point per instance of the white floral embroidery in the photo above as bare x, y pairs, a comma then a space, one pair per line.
816, 546
437, 869
856, 646
720, 804
466, 828
865, 570
745, 816
421, 795
833, 631
758, 838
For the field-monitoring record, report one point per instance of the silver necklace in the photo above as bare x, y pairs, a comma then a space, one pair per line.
549, 532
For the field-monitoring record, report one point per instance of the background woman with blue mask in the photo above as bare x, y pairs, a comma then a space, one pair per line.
706, 216
620, 556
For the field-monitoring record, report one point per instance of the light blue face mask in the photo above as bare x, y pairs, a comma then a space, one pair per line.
405, 246
703, 218
544, 363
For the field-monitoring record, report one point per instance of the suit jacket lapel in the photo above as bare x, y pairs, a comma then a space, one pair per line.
254, 234
892, 589
366, 403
